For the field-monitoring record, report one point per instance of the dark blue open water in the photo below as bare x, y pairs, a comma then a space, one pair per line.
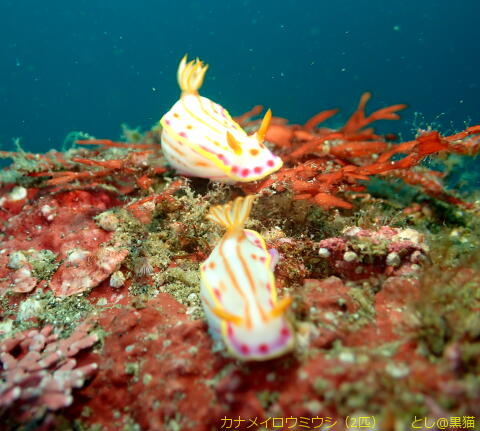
90, 65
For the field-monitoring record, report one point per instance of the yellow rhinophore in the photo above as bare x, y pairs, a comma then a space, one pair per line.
238, 290
200, 138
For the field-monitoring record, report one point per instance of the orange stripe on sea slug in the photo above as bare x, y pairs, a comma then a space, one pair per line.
208, 113
174, 148
249, 277
229, 119
223, 118
196, 118
235, 284
178, 160
216, 143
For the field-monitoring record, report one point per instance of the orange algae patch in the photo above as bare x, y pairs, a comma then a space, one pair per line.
326, 201
319, 118
134, 170
320, 163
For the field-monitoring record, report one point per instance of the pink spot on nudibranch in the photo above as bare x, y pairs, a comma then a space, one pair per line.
257, 169
245, 172
167, 122
234, 169
270, 163
285, 332
223, 158
263, 348
244, 349
262, 258
217, 293
183, 134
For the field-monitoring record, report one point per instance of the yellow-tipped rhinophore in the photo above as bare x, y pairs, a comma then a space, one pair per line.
190, 75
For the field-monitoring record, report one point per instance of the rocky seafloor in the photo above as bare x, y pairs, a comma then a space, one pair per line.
101, 322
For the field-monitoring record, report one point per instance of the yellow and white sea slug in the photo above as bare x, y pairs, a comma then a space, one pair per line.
238, 290
200, 139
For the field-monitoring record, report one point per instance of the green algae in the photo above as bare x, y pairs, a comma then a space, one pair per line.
369, 249
133, 369
43, 308
364, 298
450, 297
267, 398
175, 424
129, 424
65, 313
44, 264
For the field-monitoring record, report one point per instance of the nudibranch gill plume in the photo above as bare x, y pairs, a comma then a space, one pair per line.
238, 289
200, 138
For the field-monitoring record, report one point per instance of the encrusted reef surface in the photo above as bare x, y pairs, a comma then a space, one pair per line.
101, 322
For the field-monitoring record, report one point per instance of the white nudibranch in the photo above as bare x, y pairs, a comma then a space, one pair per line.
200, 138
238, 289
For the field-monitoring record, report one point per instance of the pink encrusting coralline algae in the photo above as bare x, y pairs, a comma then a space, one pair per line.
360, 253
39, 371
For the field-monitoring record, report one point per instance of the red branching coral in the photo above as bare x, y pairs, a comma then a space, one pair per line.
134, 169
38, 371
321, 163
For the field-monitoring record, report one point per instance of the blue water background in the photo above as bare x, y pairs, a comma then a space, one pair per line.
90, 65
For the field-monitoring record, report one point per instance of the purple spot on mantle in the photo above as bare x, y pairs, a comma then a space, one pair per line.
275, 255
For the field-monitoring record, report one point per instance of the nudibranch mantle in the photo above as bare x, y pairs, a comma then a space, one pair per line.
200, 138
238, 289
